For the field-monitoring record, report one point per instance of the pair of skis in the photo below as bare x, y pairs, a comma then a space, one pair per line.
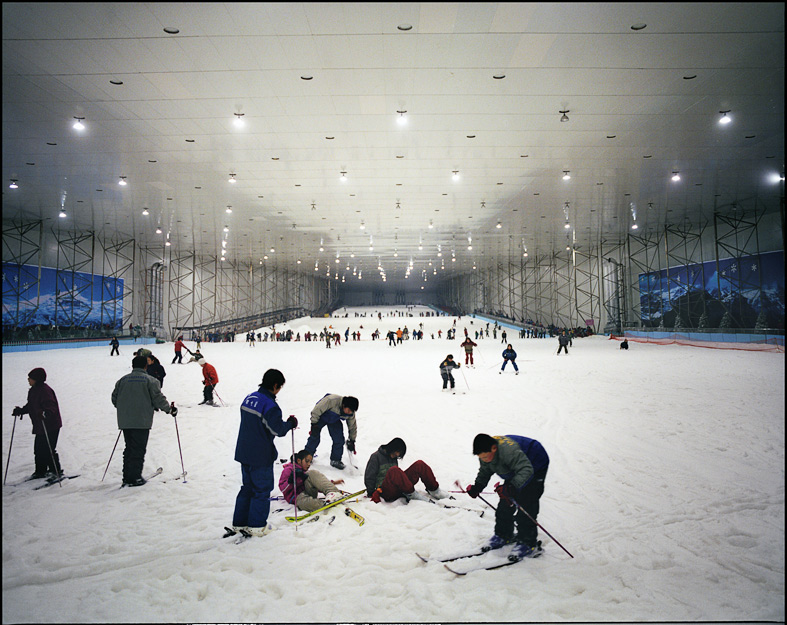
497, 562
350, 513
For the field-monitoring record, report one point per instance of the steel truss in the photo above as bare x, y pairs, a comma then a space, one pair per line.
22, 244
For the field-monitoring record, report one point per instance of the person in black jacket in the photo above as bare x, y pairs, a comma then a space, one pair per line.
155, 369
509, 354
44, 412
445, 371
115, 345
624, 344
563, 340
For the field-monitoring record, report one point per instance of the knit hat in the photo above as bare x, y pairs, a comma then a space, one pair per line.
38, 374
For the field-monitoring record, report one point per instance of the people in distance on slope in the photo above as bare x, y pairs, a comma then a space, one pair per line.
385, 480
156, 369
209, 380
330, 411
301, 486
179, 347
136, 397
503, 336
115, 345
509, 354
44, 414
446, 367
468, 344
623, 345
522, 462
260, 423
563, 340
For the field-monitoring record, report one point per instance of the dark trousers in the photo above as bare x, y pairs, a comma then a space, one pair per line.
337, 436
468, 358
43, 457
565, 347
447, 377
505, 362
114, 351
178, 357
397, 482
507, 514
207, 392
252, 505
134, 453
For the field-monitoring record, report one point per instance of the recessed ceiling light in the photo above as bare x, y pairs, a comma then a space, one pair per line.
471, 136
639, 26
405, 27
306, 77
116, 82
171, 30
499, 76
49, 143
690, 77
189, 140
330, 138
34, 163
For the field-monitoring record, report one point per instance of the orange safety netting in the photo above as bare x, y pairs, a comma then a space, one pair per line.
765, 345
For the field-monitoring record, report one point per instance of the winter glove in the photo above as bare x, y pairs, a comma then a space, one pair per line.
376, 495
506, 491
472, 491
17, 411
293, 422
351, 445
173, 411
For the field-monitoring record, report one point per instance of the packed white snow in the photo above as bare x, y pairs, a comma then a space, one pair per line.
666, 484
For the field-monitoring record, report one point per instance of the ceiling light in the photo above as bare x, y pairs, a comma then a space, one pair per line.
675, 176
499, 225
567, 225
430, 224
401, 120
167, 244
456, 175
145, 212
566, 175
232, 179
239, 123
322, 249
62, 212
344, 176
272, 250
229, 210
564, 118
363, 227
122, 181
13, 184
405, 27
78, 125
634, 226
158, 230
226, 229
724, 119
171, 30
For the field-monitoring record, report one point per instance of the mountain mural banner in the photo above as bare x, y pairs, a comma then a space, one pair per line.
742, 292
60, 298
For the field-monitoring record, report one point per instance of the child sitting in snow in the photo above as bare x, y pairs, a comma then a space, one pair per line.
307, 484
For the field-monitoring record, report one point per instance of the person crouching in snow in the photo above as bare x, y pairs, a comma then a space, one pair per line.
445, 371
210, 379
385, 480
307, 484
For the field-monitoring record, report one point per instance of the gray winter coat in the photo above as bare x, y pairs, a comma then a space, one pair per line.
137, 396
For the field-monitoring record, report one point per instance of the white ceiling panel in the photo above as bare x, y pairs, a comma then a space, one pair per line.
626, 92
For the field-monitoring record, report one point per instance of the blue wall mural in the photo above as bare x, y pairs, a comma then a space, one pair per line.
60, 298
744, 286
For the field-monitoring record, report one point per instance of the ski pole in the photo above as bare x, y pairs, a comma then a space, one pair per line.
219, 396
52, 454
112, 454
538, 524
9, 449
294, 490
179, 447
479, 496
465, 378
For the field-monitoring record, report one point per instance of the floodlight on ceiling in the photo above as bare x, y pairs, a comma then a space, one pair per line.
401, 120
455, 175
232, 179
343, 177
229, 210
724, 119
78, 125
122, 182
675, 176
566, 175
62, 213
13, 184
158, 230
145, 212
564, 117
239, 123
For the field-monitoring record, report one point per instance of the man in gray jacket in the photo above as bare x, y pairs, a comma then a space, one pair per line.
330, 411
137, 396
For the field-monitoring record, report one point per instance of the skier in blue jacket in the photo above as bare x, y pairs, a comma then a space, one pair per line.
509, 354
260, 422
523, 463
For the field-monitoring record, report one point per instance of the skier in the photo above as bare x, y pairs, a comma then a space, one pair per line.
137, 396
503, 337
210, 379
155, 369
623, 345
260, 422
307, 484
179, 346
385, 480
330, 411
523, 463
195, 356
445, 371
44, 414
563, 340
468, 344
115, 345
509, 354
